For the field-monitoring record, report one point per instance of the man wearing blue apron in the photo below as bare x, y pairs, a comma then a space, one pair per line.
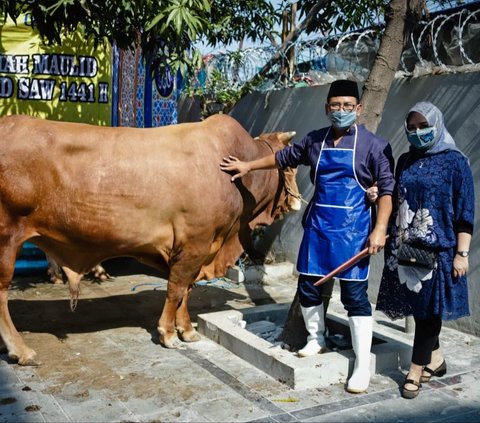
344, 159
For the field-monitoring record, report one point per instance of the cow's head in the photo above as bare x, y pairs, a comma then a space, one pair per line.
289, 197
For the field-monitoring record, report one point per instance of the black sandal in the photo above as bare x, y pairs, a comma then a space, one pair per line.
411, 393
438, 372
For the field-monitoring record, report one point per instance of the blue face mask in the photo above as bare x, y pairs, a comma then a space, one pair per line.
421, 139
342, 120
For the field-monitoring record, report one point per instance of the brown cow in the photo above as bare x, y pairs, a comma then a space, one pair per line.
84, 193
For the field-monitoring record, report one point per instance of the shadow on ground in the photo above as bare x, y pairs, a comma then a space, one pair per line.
39, 314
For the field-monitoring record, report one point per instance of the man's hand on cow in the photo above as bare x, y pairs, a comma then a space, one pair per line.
235, 166
372, 193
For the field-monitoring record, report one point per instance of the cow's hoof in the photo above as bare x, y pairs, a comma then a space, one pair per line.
99, 273
28, 362
189, 336
172, 343
56, 280
168, 340
27, 359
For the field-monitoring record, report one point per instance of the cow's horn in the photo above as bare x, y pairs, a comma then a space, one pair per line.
286, 137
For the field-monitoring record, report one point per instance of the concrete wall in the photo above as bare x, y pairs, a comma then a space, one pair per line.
302, 109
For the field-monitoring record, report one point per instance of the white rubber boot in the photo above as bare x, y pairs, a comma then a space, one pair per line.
361, 328
315, 324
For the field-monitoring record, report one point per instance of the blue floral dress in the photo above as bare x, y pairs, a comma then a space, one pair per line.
435, 197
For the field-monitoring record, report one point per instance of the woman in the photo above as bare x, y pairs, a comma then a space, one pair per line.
435, 209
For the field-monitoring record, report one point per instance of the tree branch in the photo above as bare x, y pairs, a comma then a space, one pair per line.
291, 37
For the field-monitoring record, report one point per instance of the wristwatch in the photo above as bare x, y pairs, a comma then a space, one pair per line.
462, 253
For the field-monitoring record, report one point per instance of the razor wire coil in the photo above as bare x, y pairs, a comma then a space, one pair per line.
354, 52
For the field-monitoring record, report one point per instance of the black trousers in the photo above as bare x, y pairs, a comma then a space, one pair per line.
426, 339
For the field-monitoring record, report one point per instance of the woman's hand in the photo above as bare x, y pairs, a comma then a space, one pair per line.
235, 166
372, 193
460, 266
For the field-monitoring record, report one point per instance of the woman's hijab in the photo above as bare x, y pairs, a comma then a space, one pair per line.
411, 275
443, 140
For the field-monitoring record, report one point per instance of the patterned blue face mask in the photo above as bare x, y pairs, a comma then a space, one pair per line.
341, 119
421, 139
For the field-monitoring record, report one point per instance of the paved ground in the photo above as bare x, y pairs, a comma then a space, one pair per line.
103, 363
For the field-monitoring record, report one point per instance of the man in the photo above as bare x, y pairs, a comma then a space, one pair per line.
345, 159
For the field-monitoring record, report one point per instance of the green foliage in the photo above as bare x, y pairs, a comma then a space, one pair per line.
166, 30
217, 95
234, 20
344, 15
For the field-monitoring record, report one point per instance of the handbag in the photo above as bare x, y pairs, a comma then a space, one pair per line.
414, 255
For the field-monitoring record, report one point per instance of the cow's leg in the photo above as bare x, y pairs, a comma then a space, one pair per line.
185, 330
166, 324
182, 274
100, 273
17, 350
54, 271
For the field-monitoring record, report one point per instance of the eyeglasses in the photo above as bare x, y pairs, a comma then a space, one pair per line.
347, 107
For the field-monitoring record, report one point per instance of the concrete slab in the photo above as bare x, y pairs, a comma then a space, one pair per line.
389, 352
260, 273
103, 364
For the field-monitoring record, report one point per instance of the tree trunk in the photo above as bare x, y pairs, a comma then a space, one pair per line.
291, 51
386, 64
284, 63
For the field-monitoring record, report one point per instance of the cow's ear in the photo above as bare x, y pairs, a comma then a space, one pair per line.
286, 137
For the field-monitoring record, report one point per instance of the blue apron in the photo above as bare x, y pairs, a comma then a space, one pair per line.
337, 222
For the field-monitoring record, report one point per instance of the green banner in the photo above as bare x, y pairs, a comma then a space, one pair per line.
70, 82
